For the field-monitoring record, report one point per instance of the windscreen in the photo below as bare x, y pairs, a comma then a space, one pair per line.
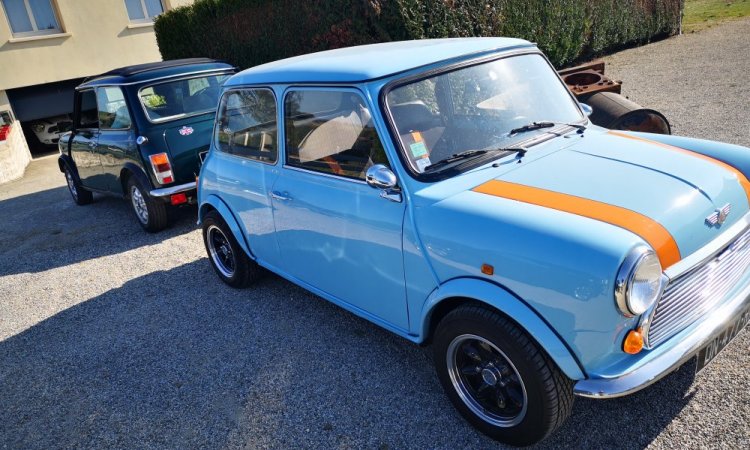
475, 108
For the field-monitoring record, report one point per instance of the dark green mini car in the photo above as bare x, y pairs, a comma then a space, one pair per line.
139, 132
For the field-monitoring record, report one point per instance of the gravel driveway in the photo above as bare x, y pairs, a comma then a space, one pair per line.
110, 337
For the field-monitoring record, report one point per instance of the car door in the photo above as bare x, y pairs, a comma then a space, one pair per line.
84, 140
244, 158
334, 231
116, 143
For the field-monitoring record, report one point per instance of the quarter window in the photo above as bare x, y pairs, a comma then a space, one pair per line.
113, 111
331, 132
143, 10
247, 126
31, 17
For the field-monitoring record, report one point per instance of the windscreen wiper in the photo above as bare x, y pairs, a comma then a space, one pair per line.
468, 154
455, 157
544, 124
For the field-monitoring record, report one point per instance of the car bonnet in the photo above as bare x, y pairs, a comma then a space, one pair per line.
669, 196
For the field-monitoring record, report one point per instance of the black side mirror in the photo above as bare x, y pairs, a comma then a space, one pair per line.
64, 126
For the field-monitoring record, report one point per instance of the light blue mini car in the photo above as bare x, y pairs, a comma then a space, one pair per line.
455, 193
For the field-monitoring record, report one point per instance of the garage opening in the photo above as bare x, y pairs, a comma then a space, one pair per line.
40, 108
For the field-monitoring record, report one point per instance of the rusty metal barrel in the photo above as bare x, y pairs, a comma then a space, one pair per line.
611, 110
616, 112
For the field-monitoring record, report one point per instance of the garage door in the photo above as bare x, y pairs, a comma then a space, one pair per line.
43, 100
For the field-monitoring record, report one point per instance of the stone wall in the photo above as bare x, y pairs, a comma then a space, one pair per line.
14, 155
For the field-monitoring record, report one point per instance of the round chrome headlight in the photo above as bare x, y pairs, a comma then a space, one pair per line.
639, 282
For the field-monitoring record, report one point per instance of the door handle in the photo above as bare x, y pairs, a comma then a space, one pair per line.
279, 196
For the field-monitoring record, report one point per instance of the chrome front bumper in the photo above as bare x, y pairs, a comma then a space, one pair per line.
687, 346
167, 191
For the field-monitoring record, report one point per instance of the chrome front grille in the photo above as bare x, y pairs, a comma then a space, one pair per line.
694, 294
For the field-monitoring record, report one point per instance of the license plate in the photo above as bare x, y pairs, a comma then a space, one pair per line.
709, 352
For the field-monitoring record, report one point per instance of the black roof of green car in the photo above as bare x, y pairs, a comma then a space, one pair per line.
150, 71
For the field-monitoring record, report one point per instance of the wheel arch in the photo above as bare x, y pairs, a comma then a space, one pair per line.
463, 291
65, 160
214, 203
131, 170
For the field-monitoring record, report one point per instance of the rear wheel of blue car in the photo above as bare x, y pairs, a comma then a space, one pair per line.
227, 258
498, 378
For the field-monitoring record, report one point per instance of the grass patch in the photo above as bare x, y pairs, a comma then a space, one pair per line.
702, 14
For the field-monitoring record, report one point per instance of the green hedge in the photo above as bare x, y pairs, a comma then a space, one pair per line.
251, 32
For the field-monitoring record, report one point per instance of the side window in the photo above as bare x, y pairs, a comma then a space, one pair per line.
143, 10
247, 126
113, 111
87, 117
31, 17
331, 132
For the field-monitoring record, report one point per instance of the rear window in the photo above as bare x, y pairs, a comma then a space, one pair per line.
181, 98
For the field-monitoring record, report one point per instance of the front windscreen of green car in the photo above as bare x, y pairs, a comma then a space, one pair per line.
176, 99
476, 107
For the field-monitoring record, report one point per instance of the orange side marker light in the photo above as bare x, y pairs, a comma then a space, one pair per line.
633, 343
488, 269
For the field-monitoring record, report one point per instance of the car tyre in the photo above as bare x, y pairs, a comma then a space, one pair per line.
227, 258
80, 195
150, 213
498, 378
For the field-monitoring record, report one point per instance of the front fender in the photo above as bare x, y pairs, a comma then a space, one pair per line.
214, 202
508, 304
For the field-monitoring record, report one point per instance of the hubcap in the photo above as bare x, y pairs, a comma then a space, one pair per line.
220, 251
489, 377
139, 204
71, 184
486, 380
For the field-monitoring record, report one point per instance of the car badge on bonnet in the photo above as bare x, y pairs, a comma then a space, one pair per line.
719, 216
186, 131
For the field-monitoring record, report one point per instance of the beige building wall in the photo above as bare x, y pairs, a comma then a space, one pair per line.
96, 36
4, 103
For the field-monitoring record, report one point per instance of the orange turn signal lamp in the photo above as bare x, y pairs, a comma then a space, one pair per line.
487, 269
633, 343
162, 168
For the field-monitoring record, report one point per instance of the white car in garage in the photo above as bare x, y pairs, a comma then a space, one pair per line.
47, 131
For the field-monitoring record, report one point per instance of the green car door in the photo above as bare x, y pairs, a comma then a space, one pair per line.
85, 140
116, 144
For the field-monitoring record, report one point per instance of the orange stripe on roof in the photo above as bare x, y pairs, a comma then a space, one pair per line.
741, 178
651, 231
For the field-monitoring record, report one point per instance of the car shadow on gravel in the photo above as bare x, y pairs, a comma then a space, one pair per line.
630, 422
177, 359
45, 230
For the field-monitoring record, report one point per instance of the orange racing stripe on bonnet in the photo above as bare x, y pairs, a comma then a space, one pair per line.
651, 231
